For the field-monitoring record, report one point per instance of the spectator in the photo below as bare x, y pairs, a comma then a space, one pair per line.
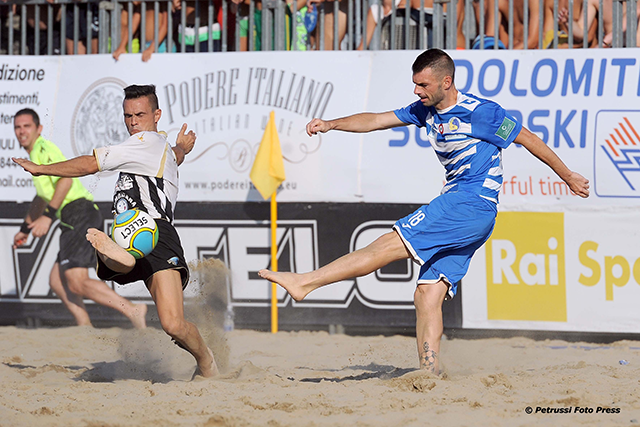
330, 20
83, 27
578, 22
302, 39
190, 34
43, 28
298, 25
373, 17
607, 22
518, 24
243, 10
376, 13
638, 26
149, 45
5, 12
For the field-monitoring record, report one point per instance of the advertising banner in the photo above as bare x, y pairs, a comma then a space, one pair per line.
25, 82
568, 271
554, 258
238, 235
581, 103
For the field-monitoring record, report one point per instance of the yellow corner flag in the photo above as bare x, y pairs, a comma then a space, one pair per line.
267, 172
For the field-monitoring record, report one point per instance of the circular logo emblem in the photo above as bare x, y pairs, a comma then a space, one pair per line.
122, 205
97, 119
454, 124
441, 129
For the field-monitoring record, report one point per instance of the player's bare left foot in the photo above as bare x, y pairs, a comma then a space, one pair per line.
110, 249
290, 281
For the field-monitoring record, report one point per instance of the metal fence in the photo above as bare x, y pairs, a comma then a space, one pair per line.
49, 27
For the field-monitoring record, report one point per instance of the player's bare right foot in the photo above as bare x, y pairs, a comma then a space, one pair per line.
208, 368
110, 249
289, 281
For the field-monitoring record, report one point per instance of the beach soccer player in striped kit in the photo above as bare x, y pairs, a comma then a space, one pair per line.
468, 135
68, 200
148, 180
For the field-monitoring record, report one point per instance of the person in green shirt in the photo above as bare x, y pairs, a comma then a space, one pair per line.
68, 200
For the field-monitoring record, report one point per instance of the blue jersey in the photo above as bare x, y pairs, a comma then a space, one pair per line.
468, 139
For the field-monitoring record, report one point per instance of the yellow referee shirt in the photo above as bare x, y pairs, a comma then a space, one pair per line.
45, 152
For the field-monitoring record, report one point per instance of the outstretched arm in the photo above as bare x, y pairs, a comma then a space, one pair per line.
576, 182
73, 168
359, 123
184, 144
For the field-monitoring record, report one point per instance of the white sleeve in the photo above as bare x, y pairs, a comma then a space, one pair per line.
142, 154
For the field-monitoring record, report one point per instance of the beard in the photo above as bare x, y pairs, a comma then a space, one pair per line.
434, 99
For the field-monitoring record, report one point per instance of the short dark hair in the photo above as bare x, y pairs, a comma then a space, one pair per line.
138, 91
436, 59
29, 112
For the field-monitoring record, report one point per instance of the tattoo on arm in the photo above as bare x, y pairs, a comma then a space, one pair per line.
428, 358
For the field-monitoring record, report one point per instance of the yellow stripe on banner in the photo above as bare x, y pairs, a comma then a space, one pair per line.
274, 263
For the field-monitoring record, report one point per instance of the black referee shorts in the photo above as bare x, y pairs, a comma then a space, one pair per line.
167, 255
75, 250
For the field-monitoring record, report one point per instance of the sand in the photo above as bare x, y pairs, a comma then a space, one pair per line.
79, 376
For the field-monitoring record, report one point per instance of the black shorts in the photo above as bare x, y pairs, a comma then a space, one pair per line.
167, 255
82, 21
75, 250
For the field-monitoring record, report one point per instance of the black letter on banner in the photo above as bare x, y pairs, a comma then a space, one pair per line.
170, 93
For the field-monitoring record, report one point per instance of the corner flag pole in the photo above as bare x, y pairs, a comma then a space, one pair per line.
274, 262
267, 174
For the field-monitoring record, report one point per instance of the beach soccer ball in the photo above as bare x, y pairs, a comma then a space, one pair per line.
136, 232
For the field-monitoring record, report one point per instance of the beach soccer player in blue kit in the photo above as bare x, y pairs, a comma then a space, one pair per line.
468, 134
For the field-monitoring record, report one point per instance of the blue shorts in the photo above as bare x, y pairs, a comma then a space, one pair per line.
443, 235
162, 47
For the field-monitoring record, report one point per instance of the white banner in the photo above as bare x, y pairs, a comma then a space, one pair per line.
571, 271
25, 82
555, 261
582, 103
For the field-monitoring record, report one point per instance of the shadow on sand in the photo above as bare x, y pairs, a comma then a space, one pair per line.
104, 372
383, 372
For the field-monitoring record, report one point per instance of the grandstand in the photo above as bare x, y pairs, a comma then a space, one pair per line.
61, 25
342, 191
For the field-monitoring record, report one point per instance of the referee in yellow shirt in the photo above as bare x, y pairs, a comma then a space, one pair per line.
68, 200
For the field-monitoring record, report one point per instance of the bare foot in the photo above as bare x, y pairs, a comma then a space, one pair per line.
208, 368
138, 316
83, 323
117, 257
80, 314
289, 281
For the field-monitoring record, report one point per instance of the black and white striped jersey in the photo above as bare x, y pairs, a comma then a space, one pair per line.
148, 177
